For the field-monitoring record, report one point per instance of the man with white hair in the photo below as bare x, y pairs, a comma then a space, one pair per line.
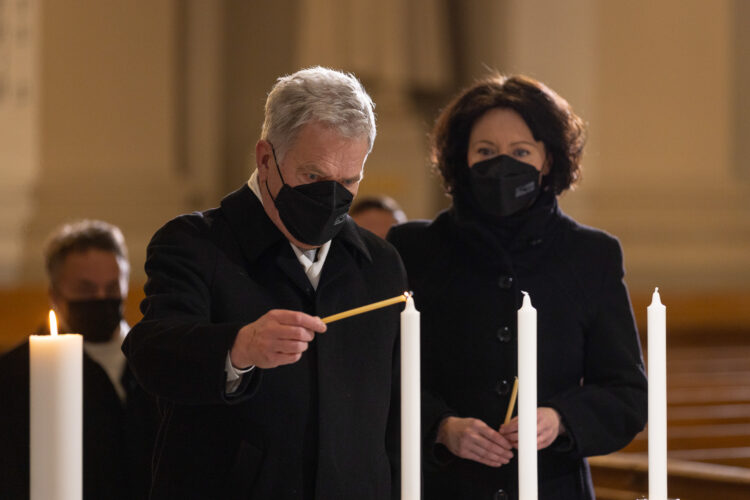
260, 399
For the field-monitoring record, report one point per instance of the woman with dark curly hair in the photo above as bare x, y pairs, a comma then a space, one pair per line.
506, 147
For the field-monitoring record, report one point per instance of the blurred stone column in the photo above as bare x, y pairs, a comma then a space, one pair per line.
108, 123
19, 128
395, 48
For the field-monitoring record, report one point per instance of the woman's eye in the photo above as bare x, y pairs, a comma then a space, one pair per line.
520, 152
486, 152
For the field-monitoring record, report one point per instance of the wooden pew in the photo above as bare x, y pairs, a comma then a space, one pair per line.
623, 476
708, 377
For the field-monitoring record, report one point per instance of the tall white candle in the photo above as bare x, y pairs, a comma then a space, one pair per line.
657, 399
527, 428
56, 413
411, 442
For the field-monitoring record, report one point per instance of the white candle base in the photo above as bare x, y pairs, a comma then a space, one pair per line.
56, 417
411, 434
527, 401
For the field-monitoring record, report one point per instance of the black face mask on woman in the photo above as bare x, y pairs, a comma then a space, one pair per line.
313, 213
95, 319
503, 185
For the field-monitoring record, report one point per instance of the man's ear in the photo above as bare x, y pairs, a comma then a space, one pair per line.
263, 158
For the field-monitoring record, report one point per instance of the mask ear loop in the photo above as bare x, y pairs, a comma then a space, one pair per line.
276, 162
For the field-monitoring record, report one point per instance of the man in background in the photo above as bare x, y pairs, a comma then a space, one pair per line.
377, 214
87, 267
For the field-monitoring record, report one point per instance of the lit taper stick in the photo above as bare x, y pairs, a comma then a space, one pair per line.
367, 308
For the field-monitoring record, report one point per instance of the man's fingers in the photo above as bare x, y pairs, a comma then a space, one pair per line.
291, 347
293, 333
298, 318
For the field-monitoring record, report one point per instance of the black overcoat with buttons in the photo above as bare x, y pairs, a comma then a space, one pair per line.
467, 283
325, 427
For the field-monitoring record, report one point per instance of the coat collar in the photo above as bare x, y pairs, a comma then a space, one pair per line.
256, 233
530, 234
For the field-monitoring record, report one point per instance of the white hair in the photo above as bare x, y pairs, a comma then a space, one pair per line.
317, 94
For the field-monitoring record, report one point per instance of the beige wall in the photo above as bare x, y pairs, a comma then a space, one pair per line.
665, 181
151, 108
107, 123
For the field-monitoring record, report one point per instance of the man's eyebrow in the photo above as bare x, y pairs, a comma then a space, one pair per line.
356, 178
311, 167
85, 283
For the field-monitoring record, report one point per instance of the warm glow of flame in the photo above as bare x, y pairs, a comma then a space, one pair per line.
52, 323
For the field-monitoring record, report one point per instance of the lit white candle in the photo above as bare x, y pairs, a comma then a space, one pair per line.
657, 399
527, 428
56, 413
411, 442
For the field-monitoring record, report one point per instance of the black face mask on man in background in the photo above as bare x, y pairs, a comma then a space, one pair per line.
503, 186
313, 213
95, 319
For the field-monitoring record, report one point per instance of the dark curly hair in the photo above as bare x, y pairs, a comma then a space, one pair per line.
548, 116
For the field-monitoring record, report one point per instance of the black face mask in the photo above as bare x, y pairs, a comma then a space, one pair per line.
313, 213
503, 185
95, 319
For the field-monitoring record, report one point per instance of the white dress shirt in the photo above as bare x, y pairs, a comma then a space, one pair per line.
110, 357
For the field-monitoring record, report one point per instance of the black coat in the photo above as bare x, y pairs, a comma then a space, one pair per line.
118, 437
467, 282
318, 428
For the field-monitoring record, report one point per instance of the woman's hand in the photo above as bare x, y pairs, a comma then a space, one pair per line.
548, 427
472, 439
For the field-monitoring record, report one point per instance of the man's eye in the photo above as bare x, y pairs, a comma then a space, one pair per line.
312, 177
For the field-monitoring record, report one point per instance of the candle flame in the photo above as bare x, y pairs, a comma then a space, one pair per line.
52, 323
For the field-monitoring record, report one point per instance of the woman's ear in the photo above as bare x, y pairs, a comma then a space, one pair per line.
547, 167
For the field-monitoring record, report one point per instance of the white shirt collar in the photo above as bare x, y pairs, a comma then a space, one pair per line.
110, 357
254, 186
313, 268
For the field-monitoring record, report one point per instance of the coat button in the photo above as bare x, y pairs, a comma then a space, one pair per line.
505, 282
502, 388
500, 495
504, 335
